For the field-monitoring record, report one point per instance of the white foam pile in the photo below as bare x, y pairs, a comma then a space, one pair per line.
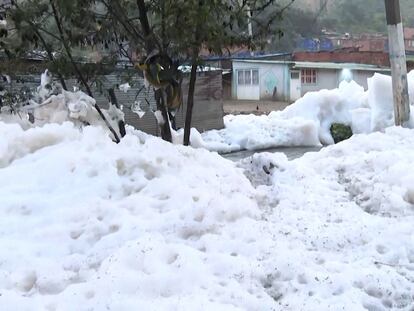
259, 132
52, 104
87, 224
307, 122
342, 222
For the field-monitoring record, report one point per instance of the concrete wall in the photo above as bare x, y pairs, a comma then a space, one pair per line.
326, 79
361, 77
208, 102
271, 76
331, 78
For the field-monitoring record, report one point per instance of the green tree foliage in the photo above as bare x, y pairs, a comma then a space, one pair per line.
163, 33
57, 31
61, 32
294, 25
340, 132
181, 29
355, 16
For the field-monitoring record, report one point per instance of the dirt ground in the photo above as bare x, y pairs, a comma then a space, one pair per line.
255, 107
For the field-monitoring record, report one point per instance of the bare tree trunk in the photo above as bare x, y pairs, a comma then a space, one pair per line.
114, 101
190, 100
165, 126
150, 45
193, 78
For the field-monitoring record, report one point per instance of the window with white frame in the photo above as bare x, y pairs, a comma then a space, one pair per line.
309, 76
248, 77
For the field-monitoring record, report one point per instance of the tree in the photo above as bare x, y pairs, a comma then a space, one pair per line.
167, 30
163, 33
355, 16
56, 31
218, 25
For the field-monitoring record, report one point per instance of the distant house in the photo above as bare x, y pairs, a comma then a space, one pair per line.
409, 39
314, 76
255, 79
363, 42
326, 69
288, 80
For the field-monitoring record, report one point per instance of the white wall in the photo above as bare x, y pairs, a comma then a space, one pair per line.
270, 76
361, 77
278, 75
326, 79
331, 78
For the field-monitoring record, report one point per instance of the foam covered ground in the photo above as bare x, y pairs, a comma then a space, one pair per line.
342, 222
90, 225
307, 122
86, 224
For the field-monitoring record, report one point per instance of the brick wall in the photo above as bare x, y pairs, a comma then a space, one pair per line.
344, 56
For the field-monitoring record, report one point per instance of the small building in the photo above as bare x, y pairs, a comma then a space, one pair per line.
409, 39
312, 76
255, 79
344, 55
289, 80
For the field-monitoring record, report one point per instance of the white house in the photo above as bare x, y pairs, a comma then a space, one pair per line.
260, 80
289, 80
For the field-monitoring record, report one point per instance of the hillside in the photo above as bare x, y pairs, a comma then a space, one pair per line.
354, 16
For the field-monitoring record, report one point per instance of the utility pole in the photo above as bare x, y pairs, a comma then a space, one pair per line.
249, 22
398, 62
249, 17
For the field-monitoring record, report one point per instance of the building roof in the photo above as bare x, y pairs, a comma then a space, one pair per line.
345, 55
351, 66
248, 55
207, 68
265, 61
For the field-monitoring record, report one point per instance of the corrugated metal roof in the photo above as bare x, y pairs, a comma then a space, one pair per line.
286, 62
351, 66
318, 65
246, 55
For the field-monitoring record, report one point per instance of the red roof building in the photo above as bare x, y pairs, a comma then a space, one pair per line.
345, 55
409, 39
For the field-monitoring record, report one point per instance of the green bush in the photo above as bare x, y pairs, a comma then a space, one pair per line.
340, 132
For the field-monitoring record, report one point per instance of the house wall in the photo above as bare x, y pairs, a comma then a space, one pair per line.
331, 78
278, 75
361, 77
409, 39
271, 76
326, 79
